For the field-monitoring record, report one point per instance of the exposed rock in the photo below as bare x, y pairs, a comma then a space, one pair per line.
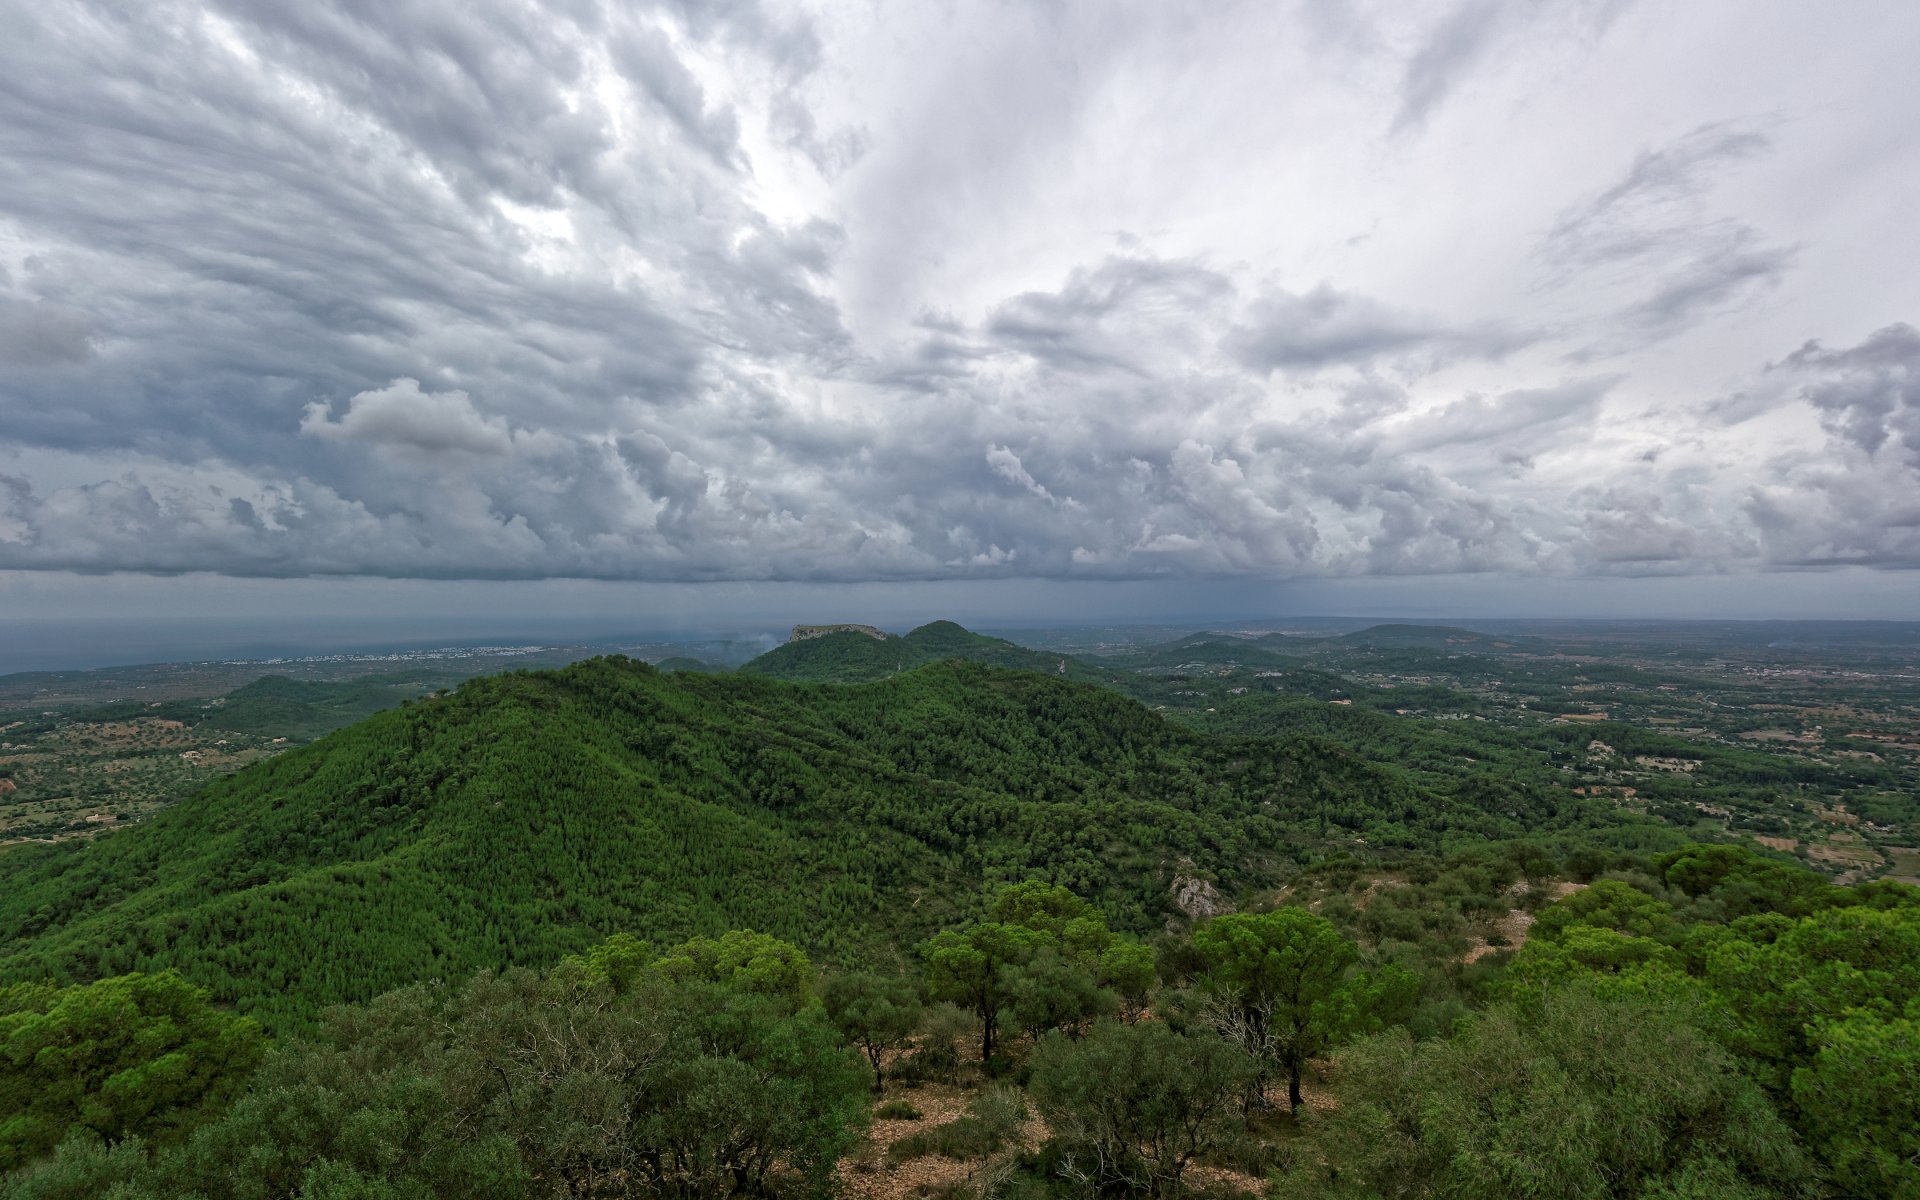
802, 633
1197, 898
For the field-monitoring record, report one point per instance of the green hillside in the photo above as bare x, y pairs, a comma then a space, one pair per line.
680, 662
527, 815
847, 657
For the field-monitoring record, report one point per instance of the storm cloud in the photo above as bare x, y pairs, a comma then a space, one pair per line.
767, 291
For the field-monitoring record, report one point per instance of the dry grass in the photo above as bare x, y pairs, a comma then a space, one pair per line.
1843, 854
1514, 926
869, 1174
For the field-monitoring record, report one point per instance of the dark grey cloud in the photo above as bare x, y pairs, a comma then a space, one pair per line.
1632, 528
1326, 327
1868, 395
1654, 233
402, 416
1513, 420
1468, 36
1857, 499
1719, 279
1095, 320
39, 334
1459, 43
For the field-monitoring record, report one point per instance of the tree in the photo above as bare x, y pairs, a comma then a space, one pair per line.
968, 967
1051, 991
1742, 882
1275, 979
84, 1168
873, 1012
1128, 969
1583, 949
1040, 906
1861, 1098
747, 1088
619, 962
745, 961
1819, 968
1609, 904
143, 1055
1130, 1106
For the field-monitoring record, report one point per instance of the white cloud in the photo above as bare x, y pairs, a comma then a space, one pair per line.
401, 415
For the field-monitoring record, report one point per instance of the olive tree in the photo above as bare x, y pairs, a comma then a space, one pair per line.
1130, 1106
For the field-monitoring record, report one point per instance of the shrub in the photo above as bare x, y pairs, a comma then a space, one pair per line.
934, 1055
992, 1121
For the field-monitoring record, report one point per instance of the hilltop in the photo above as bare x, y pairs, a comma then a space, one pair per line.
854, 654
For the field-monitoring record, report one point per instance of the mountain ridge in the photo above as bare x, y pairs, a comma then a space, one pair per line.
528, 814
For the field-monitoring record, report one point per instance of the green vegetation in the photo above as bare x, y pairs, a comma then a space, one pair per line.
1717, 733
527, 816
515, 1086
848, 657
615, 931
1586, 1097
1131, 1106
875, 1013
1283, 988
83, 770
1766, 1055
991, 1122
135, 1056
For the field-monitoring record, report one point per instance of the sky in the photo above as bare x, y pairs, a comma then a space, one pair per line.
724, 310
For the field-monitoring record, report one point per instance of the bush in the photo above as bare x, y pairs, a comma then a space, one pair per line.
1580, 1097
934, 1056
992, 1121
897, 1110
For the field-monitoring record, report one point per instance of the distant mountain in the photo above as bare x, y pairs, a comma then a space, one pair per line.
681, 662
1435, 637
849, 656
1202, 650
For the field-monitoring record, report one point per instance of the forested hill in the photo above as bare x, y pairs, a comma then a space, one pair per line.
849, 657
526, 816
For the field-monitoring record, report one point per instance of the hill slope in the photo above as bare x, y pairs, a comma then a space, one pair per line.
527, 815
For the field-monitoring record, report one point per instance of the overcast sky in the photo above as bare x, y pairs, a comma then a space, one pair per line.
1534, 301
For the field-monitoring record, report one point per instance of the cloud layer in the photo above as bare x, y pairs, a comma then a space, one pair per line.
679, 291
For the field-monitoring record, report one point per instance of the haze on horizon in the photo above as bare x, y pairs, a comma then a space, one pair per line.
758, 312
